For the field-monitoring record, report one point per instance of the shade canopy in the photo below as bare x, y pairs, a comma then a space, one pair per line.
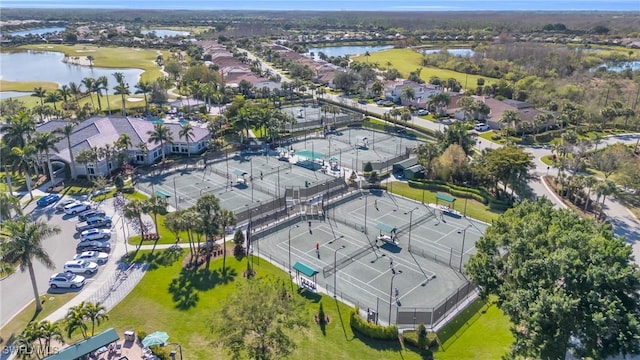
87, 346
385, 227
155, 338
305, 269
239, 172
445, 197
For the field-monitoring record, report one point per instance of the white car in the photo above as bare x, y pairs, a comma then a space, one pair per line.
66, 280
77, 207
423, 112
97, 257
80, 267
95, 234
482, 127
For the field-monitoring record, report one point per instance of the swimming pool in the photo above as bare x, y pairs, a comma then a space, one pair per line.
183, 122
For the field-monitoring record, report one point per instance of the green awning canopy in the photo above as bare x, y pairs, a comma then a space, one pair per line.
239, 173
386, 228
78, 350
445, 197
305, 269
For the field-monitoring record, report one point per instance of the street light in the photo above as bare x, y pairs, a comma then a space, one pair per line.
203, 189
464, 235
291, 228
398, 272
175, 194
335, 270
366, 201
410, 212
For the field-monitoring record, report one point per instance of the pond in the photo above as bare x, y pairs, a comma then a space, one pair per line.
165, 32
48, 66
455, 52
12, 94
347, 50
619, 66
36, 31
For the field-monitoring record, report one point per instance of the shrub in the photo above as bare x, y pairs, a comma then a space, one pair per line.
496, 137
141, 335
119, 182
128, 190
368, 167
370, 330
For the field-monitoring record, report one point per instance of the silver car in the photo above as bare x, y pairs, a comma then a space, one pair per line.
66, 280
80, 267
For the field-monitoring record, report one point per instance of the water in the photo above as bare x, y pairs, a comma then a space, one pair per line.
620, 66
36, 31
347, 50
335, 5
183, 122
12, 94
48, 66
166, 32
454, 52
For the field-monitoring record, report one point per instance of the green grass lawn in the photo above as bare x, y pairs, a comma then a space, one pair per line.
26, 86
151, 306
17, 181
407, 60
480, 332
475, 209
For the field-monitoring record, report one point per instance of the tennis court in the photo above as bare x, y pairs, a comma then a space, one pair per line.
238, 181
362, 268
349, 147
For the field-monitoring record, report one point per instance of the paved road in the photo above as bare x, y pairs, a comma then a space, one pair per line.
16, 291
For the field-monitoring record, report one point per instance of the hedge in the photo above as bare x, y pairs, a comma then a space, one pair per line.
370, 330
411, 337
454, 190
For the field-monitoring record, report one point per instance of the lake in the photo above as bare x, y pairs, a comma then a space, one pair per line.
48, 66
454, 52
12, 94
347, 50
620, 66
166, 32
36, 31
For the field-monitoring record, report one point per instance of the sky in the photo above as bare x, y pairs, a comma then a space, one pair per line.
337, 5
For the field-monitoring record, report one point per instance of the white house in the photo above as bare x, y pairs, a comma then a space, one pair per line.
97, 132
421, 92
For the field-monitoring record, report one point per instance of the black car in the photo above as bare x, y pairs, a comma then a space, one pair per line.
83, 216
93, 245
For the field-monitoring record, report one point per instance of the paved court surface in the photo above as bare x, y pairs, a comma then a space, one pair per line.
184, 185
364, 270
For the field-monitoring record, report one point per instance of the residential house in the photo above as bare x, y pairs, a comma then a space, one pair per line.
526, 112
421, 92
97, 132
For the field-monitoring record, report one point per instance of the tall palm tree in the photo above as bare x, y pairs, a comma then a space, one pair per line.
75, 90
134, 211
160, 134
49, 331
186, 133
144, 88
103, 83
226, 218
66, 132
124, 142
107, 152
39, 92
510, 118
95, 313
155, 205
121, 89
64, 93
9, 204
22, 244
208, 208
20, 128
45, 142
89, 84
84, 157
23, 157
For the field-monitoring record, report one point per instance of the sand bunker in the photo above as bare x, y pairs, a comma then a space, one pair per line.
134, 99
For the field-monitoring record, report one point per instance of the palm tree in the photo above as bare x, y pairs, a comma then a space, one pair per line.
23, 160
75, 90
66, 132
143, 149
96, 313
107, 152
155, 205
64, 92
22, 244
89, 84
20, 128
103, 84
510, 118
53, 98
226, 218
133, 212
74, 320
144, 88
124, 142
90, 58
408, 95
85, 157
49, 331
39, 92
427, 153
122, 89
45, 142
439, 101
186, 133
160, 134
604, 189
208, 208
589, 183
9, 204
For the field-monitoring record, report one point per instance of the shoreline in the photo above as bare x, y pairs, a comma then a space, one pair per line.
76, 60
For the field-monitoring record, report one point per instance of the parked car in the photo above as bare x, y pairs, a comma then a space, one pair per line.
99, 258
93, 245
423, 112
77, 207
60, 206
80, 267
66, 280
362, 101
83, 216
481, 127
95, 234
47, 200
93, 222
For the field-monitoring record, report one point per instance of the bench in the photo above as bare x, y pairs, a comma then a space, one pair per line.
162, 194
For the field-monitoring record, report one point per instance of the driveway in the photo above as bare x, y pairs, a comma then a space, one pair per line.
16, 291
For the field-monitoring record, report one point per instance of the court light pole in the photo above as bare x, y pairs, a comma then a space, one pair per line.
398, 272
291, 228
175, 194
410, 212
464, 235
335, 270
366, 202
